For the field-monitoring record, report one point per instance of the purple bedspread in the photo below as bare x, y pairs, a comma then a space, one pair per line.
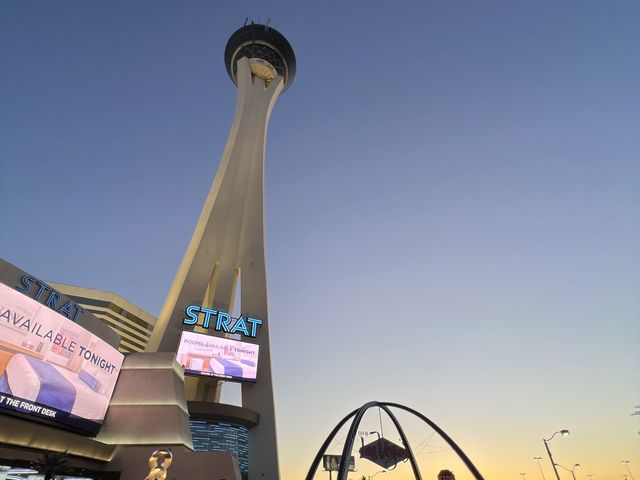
55, 390
230, 368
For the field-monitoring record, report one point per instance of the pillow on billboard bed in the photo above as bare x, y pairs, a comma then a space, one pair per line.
196, 364
90, 380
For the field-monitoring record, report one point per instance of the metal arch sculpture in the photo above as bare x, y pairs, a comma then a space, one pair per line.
353, 429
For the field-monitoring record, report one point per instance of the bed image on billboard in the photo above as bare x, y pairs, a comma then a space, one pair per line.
52, 369
217, 357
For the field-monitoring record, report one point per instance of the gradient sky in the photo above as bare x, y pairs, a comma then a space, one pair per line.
452, 195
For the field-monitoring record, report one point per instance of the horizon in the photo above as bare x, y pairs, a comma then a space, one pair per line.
451, 199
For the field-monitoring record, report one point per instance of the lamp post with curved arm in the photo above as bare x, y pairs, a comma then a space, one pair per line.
564, 433
571, 470
538, 459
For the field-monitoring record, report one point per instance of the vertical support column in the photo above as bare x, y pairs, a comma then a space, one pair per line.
229, 241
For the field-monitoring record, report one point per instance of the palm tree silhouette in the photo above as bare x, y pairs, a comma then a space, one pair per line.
53, 463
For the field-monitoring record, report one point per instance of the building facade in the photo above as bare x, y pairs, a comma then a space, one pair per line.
130, 322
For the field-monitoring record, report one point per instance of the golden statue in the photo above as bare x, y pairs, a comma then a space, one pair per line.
159, 463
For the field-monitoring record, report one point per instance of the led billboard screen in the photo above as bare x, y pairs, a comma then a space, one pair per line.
217, 357
51, 368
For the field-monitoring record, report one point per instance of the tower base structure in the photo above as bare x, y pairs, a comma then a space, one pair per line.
149, 411
132, 463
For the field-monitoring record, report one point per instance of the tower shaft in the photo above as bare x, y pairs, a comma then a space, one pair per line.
228, 242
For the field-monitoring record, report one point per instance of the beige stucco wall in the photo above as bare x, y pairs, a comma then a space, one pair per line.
148, 405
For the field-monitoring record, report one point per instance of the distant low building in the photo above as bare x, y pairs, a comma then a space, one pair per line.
133, 324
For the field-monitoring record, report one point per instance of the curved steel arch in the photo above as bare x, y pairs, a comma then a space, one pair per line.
467, 461
353, 429
405, 440
325, 445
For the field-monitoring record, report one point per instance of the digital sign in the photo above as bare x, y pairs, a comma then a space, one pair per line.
51, 368
217, 357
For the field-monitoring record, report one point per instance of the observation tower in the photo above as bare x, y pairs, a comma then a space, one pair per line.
226, 251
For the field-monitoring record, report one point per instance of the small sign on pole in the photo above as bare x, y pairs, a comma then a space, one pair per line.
331, 463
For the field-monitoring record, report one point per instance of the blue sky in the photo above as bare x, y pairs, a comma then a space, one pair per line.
452, 194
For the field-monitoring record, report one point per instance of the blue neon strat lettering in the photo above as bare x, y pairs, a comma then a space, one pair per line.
43, 288
224, 319
25, 282
66, 309
240, 326
255, 323
224, 322
79, 310
207, 316
192, 312
53, 299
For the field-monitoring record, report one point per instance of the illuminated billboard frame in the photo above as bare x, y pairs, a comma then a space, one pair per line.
51, 369
204, 355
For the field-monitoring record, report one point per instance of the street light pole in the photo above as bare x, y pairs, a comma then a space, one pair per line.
626, 464
564, 433
538, 459
573, 469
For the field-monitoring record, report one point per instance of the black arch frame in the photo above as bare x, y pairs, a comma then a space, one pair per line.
353, 430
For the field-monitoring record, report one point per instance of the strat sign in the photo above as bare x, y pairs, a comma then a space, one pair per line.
384, 453
223, 321
48, 296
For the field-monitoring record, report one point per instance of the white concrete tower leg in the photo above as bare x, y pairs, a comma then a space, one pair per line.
229, 236
231, 219
228, 241
263, 452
